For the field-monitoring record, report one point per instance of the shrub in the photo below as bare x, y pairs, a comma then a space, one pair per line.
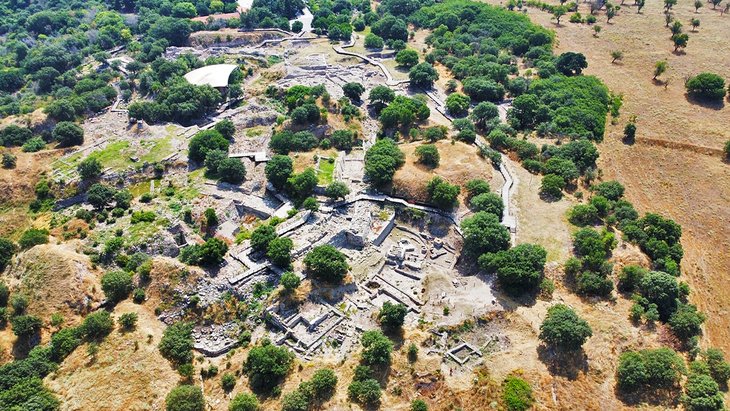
302, 185
324, 383
442, 194
488, 203
564, 329
209, 253
376, 348
128, 321
418, 405
205, 141
407, 58
392, 315
116, 285
89, 168
706, 86
232, 170
266, 365
655, 369
7, 249
34, 144
326, 263
428, 154
289, 281
686, 322
583, 215
630, 277
226, 128
552, 186
68, 134
518, 269
336, 190
661, 289
143, 217
32, 237
364, 392
483, 234
278, 170
97, 325
476, 187
457, 104
9, 160
244, 402
176, 343
185, 398
373, 42
517, 394
702, 393
26, 326
279, 251
382, 160
100, 195
64, 342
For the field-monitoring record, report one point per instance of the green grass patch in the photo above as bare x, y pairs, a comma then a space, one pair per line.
326, 171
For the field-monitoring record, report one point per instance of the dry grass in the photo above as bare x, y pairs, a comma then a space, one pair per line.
128, 373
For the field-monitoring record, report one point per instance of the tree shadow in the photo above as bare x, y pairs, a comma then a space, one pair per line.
666, 397
568, 364
718, 104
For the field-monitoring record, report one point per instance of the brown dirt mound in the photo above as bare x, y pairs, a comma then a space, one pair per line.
459, 164
56, 279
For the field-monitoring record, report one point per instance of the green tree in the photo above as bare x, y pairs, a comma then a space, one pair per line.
381, 96
336, 190
97, 325
660, 67
571, 64
564, 329
128, 321
418, 405
7, 250
686, 322
185, 398
661, 289
442, 194
707, 86
226, 128
484, 113
116, 285
457, 104
552, 186
326, 263
392, 315
302, 185
423, 75
26, 326
702, 394
279, 251
376, 348
483, 234
353, 91
373, 42
244, 402
324, 383
262, 236
407, 58
680, 40
231, 170
278, 170
205, 141
382, 160
89, 168
428, 154
176, 343
289, 281
559, 12
33, 237
68, 134
487, 202
266, 365
100, 195
518, 269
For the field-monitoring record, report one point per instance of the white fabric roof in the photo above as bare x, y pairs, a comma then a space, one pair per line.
215, 75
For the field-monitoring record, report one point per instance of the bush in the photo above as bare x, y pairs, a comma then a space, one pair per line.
177, 343
583, 215
324, 383
707, 86
226, 128
32, 237
376, 348
476, 187
244, 402
552, 186
483, 234
392, 315
7, 249
266, 365
374, 42
686, 322
518, 269
116, 285
262, 236
630, 277
428, 154
517, 394
326, 263
457, 104
9, 160
279, 251
423, 75
488, 203
337, 190
278, 170
185, 398
289, 281
418, 405
205, 141
89, 168
97, 325
564, 329
26, 326
143, 217
661, 289
33, 145
654, 369
209, 253
364, 392
702, 393
382, 160
407, 58
442, 194
128, 321
353, 91
231, 170
100, 195
68, 134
